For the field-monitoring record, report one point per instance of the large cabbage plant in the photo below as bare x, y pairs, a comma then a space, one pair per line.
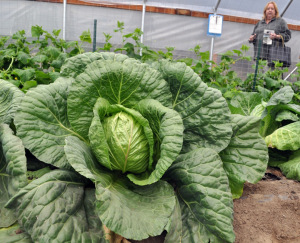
134, 149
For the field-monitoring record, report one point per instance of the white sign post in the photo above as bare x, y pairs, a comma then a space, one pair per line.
214, 29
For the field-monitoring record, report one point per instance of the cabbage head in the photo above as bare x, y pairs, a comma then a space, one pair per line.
127, 142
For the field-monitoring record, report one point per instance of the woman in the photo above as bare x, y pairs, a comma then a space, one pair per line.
269, 31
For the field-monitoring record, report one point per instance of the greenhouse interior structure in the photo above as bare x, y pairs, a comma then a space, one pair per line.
177, 24
149, 121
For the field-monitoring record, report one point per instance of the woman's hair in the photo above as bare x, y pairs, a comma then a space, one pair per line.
276, 9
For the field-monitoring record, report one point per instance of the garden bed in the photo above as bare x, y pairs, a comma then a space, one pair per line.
269, 211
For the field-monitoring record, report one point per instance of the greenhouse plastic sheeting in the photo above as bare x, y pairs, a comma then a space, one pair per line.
160, 31
241, 8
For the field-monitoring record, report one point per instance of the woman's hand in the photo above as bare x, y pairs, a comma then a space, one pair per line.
252, 38
274, 36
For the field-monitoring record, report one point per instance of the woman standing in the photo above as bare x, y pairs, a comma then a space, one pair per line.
269, 31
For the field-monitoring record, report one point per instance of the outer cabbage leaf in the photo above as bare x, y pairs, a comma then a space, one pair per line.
12, 171
291, 168
246, 157
73, 66
205, 113
237, 188
120, 82
175, 227
96, 133
127, 209
282, 96
57, 208
278, 102
265, 93
132, 211
42, 122
259, 109
193, 230
285, 138
167, 128
286, 115
82, 159
10, 98
244, 103
14, 234
203, 186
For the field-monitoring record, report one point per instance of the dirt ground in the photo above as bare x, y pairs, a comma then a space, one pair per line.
269, 211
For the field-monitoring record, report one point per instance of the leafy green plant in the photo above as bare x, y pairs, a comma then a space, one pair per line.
219, 75
203, 64
132, 46
279, 126
107, 45
246, 104
267, 81
126, 45
134, 150
277, 107
28, 63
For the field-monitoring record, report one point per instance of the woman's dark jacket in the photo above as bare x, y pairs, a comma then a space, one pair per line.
279, 26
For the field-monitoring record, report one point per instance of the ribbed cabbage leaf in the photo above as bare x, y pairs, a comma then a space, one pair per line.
203, 187
12, 171
246, 157
58, 208
42, 122
205, 113
10, 98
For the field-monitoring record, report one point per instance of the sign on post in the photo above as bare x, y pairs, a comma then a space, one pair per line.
215, 24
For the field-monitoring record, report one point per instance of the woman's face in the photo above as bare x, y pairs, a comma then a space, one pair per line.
270, 11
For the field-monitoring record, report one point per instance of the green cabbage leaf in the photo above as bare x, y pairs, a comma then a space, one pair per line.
10, 98
39, 206
203, 189
204, 111
245, 159
12, 172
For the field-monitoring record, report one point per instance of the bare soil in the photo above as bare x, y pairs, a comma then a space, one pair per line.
269, 211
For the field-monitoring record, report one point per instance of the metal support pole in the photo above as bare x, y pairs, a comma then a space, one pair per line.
143, 24
217, 5
257, 62
215, 8
291, 73
287, 6
282, 13
211, 49
64, 20
95, 34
